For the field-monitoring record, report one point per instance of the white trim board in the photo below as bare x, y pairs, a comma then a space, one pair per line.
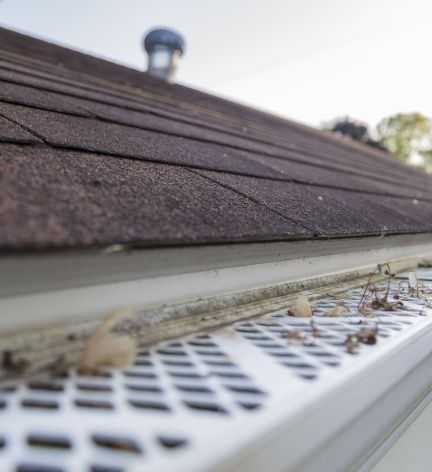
27, 273
408, 447
46, 290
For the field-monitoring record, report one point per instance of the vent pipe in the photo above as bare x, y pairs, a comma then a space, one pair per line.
164, 48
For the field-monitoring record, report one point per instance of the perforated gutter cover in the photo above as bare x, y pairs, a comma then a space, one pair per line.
243, 397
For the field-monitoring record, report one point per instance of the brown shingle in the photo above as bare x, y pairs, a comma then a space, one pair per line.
89, 134
93, 135
326, 212
12, 132
108, 155
293, 143
33, 97
53, 198
181, 123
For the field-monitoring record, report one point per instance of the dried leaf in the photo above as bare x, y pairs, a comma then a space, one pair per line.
295, 335
362, 310
316, 333
427, 263
388, 306
370, 289
383, 304
351, 343
300, 307
59, 366
412, 279
367, 335
338, 310
108, 349
9, 362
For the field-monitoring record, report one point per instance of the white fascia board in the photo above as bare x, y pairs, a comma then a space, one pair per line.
408, 447
50, 289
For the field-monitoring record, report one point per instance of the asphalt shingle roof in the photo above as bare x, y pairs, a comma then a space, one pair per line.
93, 153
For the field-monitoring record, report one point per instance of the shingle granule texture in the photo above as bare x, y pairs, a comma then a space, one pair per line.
72, 198
93, 153
11, 132
327, 212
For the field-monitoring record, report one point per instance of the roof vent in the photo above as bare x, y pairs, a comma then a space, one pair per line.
164, 47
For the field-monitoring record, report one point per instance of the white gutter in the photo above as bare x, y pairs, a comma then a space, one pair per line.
340, 421
342, 424
47, 289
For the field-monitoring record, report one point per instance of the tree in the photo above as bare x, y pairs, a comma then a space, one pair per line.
408, 136
347, 127
353, 129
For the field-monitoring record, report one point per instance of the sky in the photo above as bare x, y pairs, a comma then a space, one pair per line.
308, 60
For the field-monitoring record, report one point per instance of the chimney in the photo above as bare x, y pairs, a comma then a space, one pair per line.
164, 47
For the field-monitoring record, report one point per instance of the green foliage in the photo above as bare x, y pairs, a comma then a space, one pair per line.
407, 136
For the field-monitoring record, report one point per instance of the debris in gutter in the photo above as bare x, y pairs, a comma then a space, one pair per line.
296, 335
415, 288
383, 304
338, 310
367, 335
351, 343
425, 263
59, 367
316, 333
106, 349
412, 279
115, 248
300, 307
364, 335
378, 301
11, 364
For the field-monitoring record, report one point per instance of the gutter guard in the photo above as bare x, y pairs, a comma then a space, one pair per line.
236, 398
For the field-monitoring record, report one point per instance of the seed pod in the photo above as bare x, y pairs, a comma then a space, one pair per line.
300, 307
338, 310
108, 349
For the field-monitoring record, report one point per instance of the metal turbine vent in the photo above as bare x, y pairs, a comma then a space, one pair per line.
164, 48
170, 410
